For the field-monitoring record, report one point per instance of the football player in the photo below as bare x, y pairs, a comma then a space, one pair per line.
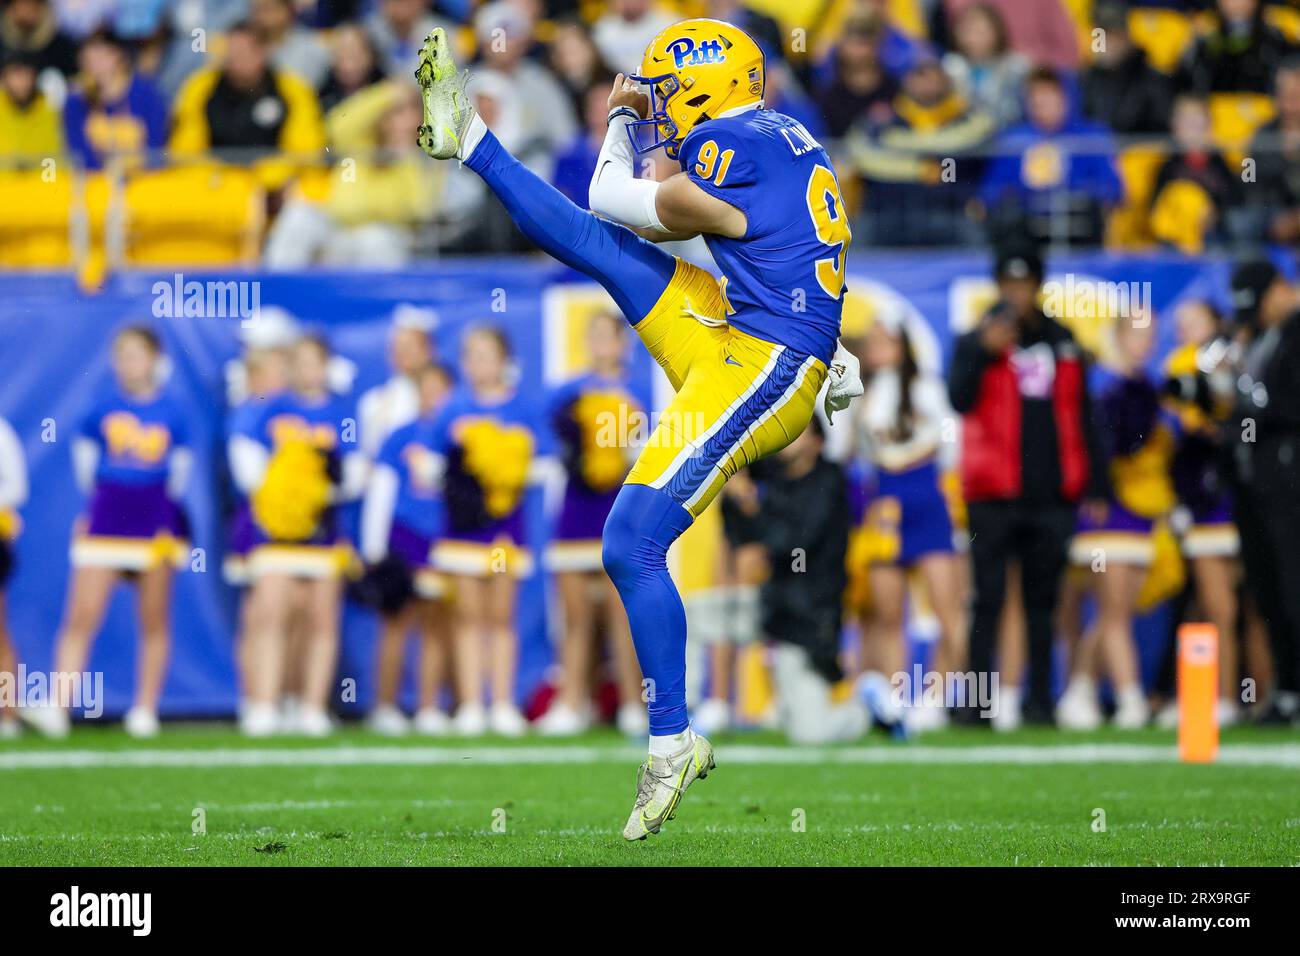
747, 354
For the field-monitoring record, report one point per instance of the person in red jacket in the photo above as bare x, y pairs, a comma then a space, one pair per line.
1028, 458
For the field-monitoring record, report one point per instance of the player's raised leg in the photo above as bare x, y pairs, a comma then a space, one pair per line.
635, 272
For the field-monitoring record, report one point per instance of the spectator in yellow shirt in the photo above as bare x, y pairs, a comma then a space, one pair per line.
29, 126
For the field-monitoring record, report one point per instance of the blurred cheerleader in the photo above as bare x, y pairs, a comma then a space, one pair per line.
401, 520
261, 375
13, 494
488, 437
299, 462
1118, 546
1210, 542
903, 414
586, 413
131, 457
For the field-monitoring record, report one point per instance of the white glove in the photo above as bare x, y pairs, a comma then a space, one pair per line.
844, 381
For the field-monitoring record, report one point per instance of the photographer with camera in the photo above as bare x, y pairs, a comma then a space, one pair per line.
1263, 458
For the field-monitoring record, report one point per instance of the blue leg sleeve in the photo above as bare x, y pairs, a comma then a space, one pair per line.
641, 526
635, 272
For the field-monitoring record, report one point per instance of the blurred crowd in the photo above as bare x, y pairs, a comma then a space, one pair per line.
1173, 122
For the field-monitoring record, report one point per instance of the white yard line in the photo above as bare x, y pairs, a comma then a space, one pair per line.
1237, 755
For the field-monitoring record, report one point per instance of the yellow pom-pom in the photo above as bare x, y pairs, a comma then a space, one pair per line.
498, 459
604, 462
294, 493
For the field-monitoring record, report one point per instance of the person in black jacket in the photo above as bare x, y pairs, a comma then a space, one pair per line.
802, 518
1239, 54
1263, 440
1119, 87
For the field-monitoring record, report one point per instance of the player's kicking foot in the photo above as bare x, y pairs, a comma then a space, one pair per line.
661, 784
447, 109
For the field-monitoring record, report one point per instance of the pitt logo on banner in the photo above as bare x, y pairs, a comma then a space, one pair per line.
686, 53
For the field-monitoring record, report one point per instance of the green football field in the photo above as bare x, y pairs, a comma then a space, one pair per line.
200, 795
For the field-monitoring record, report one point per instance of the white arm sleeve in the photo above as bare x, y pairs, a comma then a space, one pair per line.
13, 468
85, 460
248, 460
377, 513
615, 192
179, 465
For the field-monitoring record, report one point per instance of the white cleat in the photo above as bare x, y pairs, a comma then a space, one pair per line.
47, 720
561, 721
10, 728
431, 722
1227, 713
387, 721
140, 723
259, 720
924, 718
447, 109
632, 720
470, 721
661, 784
506, 720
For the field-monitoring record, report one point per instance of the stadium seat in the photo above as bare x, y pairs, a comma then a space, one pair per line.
36, 228
219, 222
1286, 19
1128, 226
1163, 34
1234, 118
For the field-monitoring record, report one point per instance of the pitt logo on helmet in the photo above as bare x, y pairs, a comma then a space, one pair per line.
685, 52
695, 71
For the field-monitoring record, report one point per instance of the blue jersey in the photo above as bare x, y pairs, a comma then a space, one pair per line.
409, 452
783, 280
326, 423
135, 436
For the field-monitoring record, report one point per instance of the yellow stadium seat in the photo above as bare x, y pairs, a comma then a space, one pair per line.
1163, 34
199, 215
1234, 118
1128, 226
1285, 19
36, 227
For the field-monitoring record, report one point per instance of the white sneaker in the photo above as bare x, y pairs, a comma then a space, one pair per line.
1009, 715
712, 717
924, 718
431, 722
561, 721
47, 720
388, 721
632, 720
506, 720
290, 710
447, 110
470, 720
1167, 716
10, 728
660, 784
314, 723
140, 723
1227, 713
259, 720
1078, 708
1131, 710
